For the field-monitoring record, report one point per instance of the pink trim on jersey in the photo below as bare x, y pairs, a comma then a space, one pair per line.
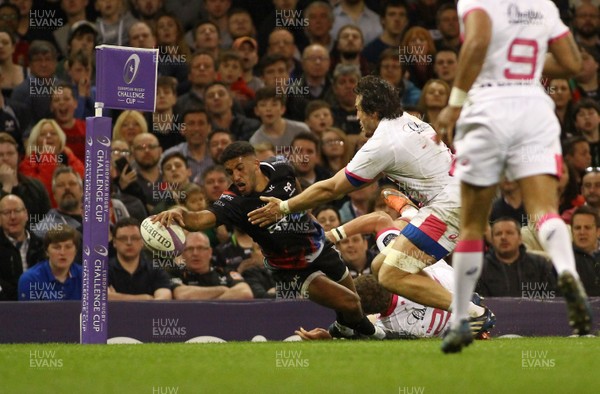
359, 178
471, 10
558, 37
452, 166
559, 165
384, 230
469, 246
433, 227
545, 218
392, 306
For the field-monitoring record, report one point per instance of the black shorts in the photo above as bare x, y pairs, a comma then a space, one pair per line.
293, 283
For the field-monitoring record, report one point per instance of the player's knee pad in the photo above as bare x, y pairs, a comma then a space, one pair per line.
385, 240
403, 261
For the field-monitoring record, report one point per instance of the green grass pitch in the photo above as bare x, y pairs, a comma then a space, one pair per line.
526, 365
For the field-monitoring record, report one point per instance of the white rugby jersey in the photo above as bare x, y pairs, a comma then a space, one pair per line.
407, 319
521, 33
405, 151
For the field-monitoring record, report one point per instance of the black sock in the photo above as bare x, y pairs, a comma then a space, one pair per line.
364, 326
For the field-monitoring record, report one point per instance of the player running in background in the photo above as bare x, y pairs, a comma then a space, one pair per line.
403, 147
507, 126
303, 262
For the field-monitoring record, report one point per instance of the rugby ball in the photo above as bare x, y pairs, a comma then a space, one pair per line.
157, 237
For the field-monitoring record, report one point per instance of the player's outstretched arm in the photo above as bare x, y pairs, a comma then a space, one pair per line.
478, 33
315, 195
364, 224
192, 221
563, 59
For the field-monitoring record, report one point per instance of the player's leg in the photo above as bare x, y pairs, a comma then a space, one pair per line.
541, 204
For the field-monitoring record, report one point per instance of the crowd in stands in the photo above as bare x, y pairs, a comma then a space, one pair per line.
279, 74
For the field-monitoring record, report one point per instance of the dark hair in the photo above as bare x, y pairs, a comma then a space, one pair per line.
268, 93
587, 210
195, 109
392, 4
171, 156
165, 81
61, 233
269, 60
12, 7
41, 47
217, 83
315, 105
228, 55
568, 146
6, 138
206, 22
11, 34
213, 168
378, 95
443, 8
308, 136
506, 219
373, 297
326, 207
80, 57
237, 149
586, 103
124, 222
219, 131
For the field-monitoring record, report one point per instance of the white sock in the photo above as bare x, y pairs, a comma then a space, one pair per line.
553, 235
467, 262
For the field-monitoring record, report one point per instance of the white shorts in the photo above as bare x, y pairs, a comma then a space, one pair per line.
435, 228
517, 137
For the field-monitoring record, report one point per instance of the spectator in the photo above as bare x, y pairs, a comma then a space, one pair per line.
356, 254
586, 24
63, 107
318, 117
305, 157
83, 37
247, 48
176, 176
587, 79
123, 183
355, 12
392, 70
193, 198
67, 190
576, 151
146, 158
74, 11
283, 16
345, 79
166, 124
218, 13
587, 124
29, 24
207, 38
35, 91
30, 190
433, 99
215, 181
240, 24
218, 140
230, 73
141, 36
585, 227
590, 190
349, 45
448, 27
19, 248
358, 204
56, 278
14, 117
237, 254
131, 276
202, 73
560, 92
315, 63
274, 73
9, 19
195, 148
281, 41
79, 74
128, 125
189, 12
114, 22
46, 151
219, 105
423, 13
336, 151
509, 270
174, 52
445, 64
570, 193
394, 20
319, 16
12, 74
509, 204
327, 216
270, 108
199, 281
418, 51
147, 10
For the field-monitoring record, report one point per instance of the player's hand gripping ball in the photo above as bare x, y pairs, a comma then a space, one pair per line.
169, 240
